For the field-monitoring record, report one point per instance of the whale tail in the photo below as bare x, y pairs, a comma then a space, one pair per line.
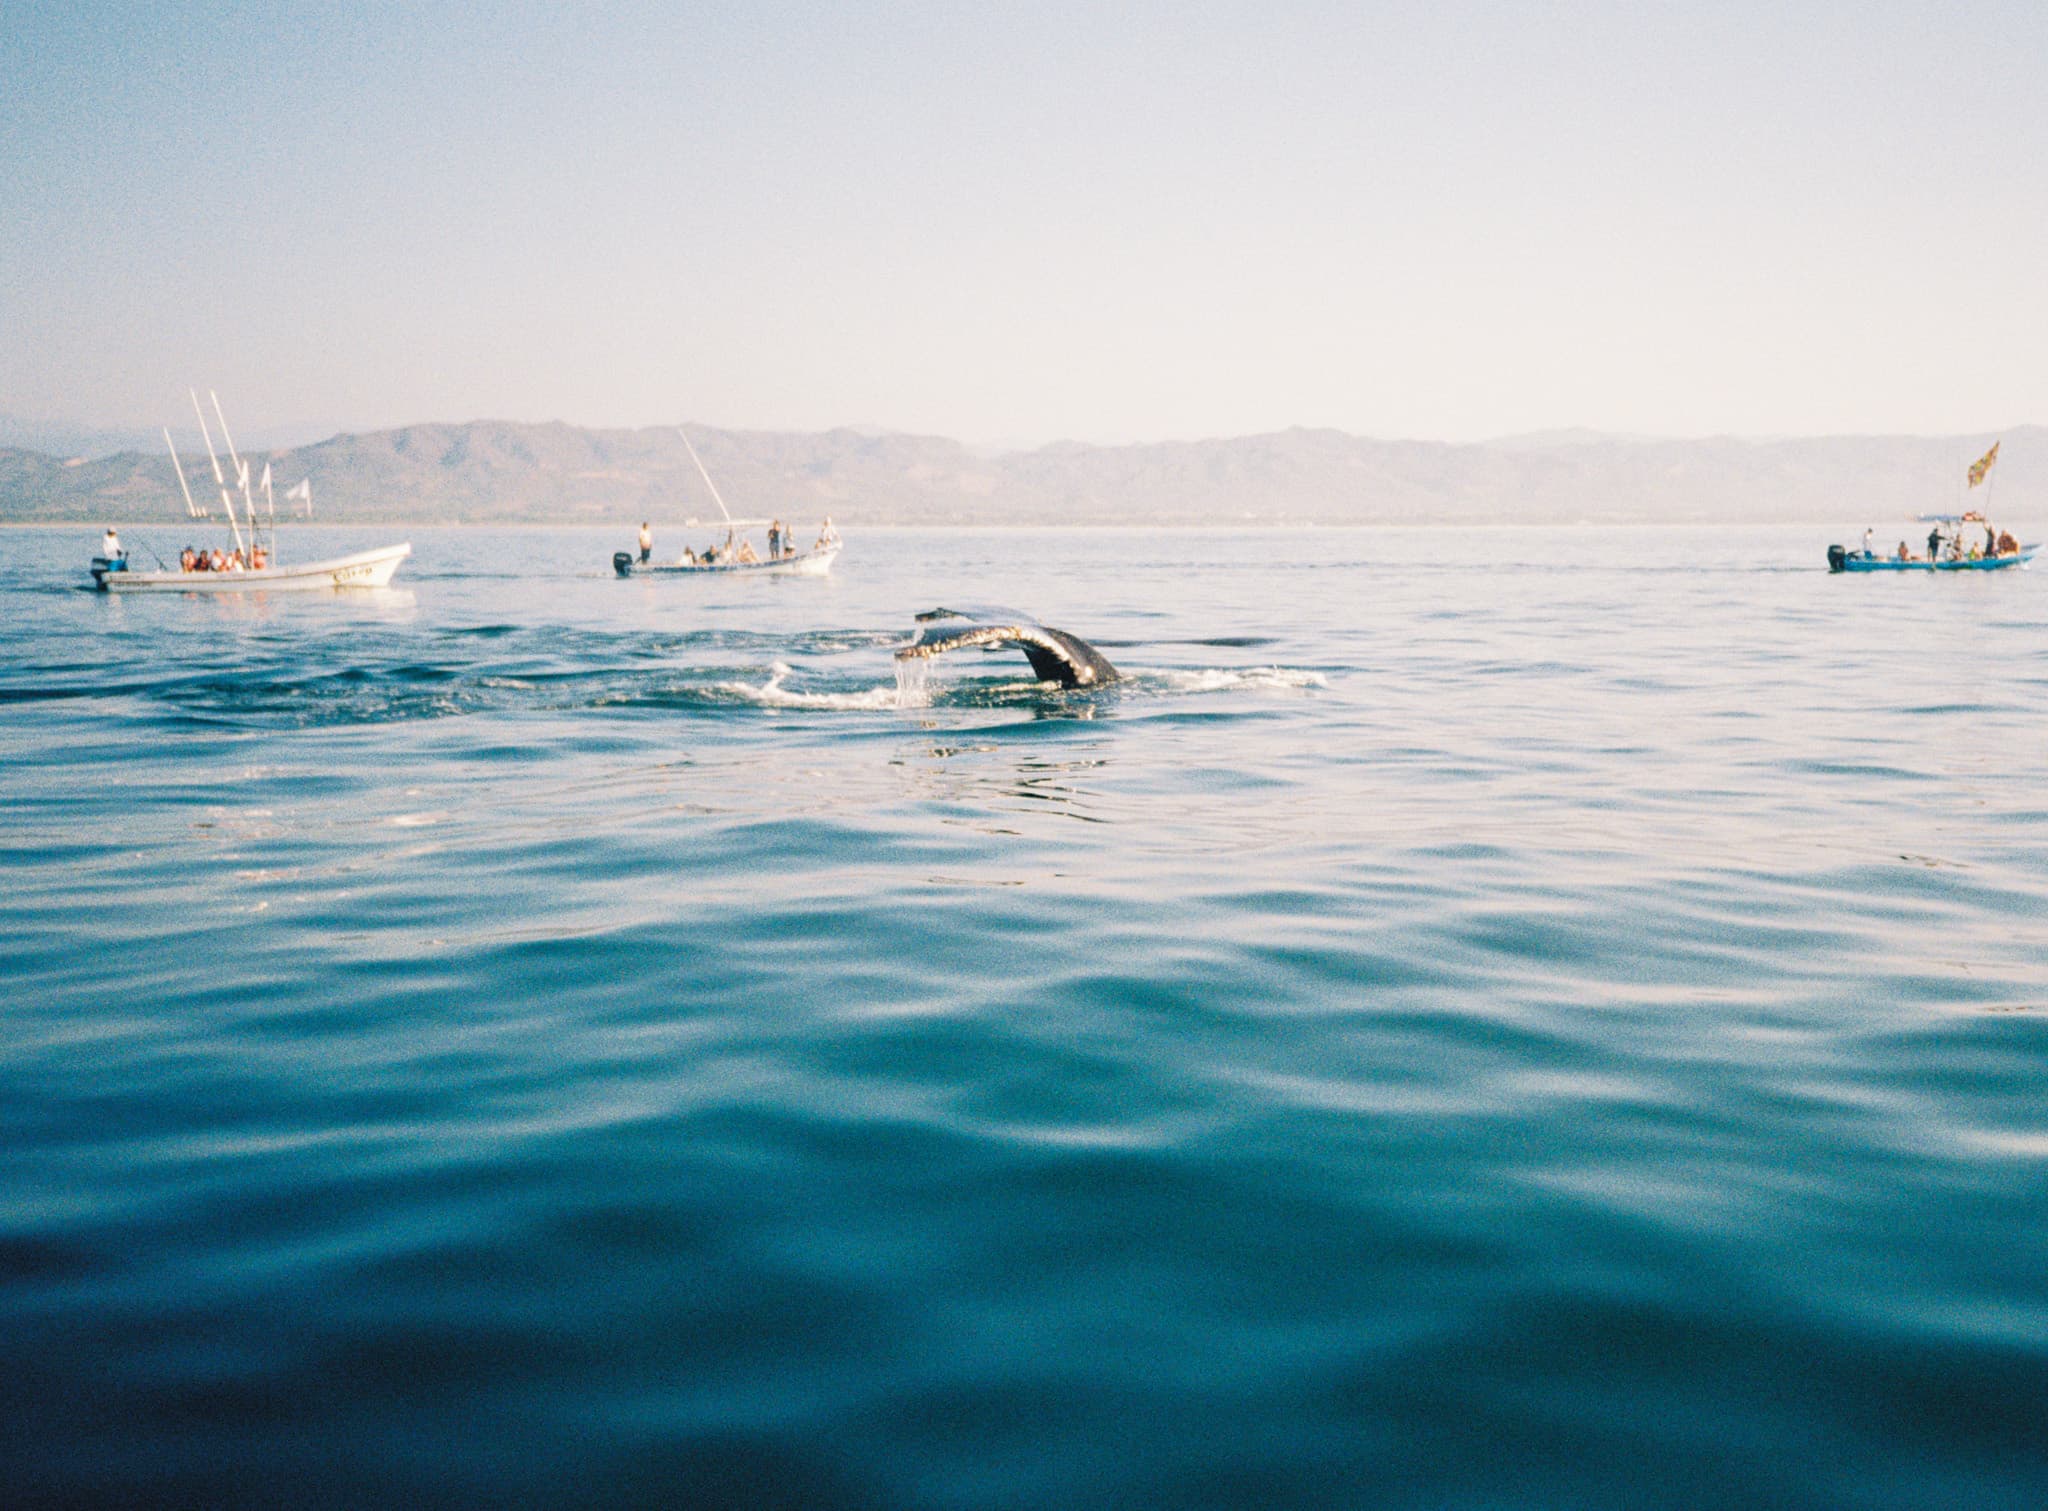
1055, 656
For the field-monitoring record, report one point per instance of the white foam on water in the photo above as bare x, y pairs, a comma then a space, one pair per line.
912, 688
1227, 679
772, 694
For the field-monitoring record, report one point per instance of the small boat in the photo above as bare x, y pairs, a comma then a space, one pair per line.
735, 553
364, 569
1840, 560
250, 567
812, 563
1952, 546
1952, 543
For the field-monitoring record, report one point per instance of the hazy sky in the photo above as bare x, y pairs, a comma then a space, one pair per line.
1013, 223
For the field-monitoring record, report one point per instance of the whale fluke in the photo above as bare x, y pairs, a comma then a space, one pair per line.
1055, 656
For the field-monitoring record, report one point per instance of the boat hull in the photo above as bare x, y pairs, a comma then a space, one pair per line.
1856, 561
364, 569
808, 564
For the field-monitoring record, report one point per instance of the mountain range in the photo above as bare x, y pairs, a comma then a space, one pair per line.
488, 471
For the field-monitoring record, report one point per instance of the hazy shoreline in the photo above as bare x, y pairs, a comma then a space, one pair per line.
498, 474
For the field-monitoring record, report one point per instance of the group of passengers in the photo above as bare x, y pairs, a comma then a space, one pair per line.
734, 550
1946, 545
737, 550
218, 560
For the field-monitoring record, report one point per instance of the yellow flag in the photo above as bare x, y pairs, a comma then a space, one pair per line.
1983, 465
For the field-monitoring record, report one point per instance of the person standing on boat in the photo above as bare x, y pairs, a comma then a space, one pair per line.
1869, 548
646, 542
110, 545
1934, 544
775, 540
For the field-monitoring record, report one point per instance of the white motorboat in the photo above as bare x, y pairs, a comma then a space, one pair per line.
364, 569
250, 565
813, 563
735, 553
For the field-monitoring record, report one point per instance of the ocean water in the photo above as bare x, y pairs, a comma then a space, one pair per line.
1527, 1018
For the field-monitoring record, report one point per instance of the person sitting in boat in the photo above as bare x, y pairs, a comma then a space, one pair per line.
185, 558
217, 561
746, 554
646, 541
1904, 554
826, 535
258, 558
110, 544
2007, 546
689, 557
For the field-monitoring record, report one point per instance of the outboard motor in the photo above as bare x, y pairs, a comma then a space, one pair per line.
622, 563
1837, 559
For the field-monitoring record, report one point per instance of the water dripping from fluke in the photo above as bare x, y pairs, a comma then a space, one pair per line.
913, 684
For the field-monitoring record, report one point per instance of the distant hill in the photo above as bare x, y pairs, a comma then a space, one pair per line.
488, 471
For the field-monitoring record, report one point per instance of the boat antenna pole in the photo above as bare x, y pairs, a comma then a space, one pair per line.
706, 476
241, 473
191, 509
226, 499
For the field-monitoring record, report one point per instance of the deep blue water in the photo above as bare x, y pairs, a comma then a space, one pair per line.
1529, 1018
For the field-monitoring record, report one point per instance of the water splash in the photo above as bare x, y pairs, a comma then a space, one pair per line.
913, 683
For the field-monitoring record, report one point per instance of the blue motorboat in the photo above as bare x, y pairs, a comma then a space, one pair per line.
1952, 546
1840, 560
